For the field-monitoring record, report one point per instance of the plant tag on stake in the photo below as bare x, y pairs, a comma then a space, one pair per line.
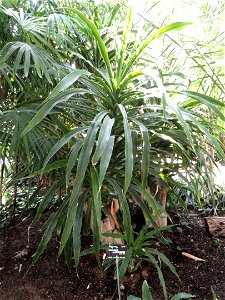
117, 252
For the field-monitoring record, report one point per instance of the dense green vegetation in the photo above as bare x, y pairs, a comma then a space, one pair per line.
93, 125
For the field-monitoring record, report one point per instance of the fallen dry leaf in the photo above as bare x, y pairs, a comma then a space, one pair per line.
113, 210
192, 256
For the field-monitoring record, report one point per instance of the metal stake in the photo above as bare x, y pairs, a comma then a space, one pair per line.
118, 277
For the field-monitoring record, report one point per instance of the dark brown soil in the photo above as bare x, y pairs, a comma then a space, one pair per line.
50, 279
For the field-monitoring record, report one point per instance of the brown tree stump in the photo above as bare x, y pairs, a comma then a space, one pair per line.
216, 226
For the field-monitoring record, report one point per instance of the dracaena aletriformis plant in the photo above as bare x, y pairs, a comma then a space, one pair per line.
122, 140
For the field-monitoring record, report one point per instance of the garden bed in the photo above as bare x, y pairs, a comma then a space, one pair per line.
50, 279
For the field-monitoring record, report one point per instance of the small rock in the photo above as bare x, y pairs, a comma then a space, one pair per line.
89, 284
145, 274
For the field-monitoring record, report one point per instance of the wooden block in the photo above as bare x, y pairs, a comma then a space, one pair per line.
216, 226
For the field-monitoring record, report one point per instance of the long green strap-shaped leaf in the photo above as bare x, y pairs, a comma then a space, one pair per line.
176, 109
129, 78
156, 231
129, 160
145, 162
100, 72
204, 98
96, 196
48, 106
77, 229
160, 274
68, 253
96, 207
97, 35
164, 259
112, 15
211, 138
167, 137
131, 297
124, 44
52, 222
125, 262
172, 27
62, 142
83, 161
104, 135
146, 294
105, 159
182, 296
210, 102
66, 82
134, 135
46, 200
72, 160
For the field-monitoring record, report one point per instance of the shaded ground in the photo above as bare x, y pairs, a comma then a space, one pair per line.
51, 280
